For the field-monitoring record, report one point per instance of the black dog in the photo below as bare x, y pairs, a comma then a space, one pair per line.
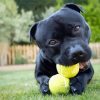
63, 39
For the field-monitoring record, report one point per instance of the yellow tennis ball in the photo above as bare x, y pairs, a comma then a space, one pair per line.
68, 71
58, 84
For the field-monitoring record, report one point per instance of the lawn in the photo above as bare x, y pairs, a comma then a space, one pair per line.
21, 85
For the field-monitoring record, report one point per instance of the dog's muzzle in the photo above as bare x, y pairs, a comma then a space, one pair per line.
84, 66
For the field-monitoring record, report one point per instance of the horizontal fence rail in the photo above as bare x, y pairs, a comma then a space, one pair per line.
9, 55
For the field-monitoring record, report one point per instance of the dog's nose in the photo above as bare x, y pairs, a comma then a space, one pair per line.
77, 53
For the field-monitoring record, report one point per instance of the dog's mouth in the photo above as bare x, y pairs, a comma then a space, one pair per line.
84, 65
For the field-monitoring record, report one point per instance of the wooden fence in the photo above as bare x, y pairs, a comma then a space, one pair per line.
95, 47
29, 52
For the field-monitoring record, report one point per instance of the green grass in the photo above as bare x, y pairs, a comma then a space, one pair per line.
21, 85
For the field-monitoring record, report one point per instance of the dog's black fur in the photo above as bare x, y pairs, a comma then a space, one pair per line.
63, 39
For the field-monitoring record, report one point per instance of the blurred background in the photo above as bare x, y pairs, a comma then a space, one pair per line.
16, 17
17, 54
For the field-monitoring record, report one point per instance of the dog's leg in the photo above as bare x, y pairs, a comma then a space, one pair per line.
41, 77
79, 82
43, 71
43, 82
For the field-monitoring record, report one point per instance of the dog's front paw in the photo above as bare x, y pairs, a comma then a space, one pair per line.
76, 87
44, 87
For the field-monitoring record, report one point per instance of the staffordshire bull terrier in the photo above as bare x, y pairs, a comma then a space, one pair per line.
63, 39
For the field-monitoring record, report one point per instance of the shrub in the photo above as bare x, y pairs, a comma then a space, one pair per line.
19, 59
92, 16
14, 27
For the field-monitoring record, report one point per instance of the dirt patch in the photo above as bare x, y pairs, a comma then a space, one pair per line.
17, 67
95, 61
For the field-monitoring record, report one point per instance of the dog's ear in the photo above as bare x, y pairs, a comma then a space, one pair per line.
87, 33
74, 7
33, 31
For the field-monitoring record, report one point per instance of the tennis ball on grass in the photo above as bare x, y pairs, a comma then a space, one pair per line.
58, 84
68, 71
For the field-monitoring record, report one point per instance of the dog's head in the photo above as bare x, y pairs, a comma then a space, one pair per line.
63, 37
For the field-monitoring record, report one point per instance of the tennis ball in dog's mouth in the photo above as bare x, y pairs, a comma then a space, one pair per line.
68, 71
58, 84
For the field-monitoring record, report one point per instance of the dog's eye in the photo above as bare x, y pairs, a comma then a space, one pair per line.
53, 42
76, 28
